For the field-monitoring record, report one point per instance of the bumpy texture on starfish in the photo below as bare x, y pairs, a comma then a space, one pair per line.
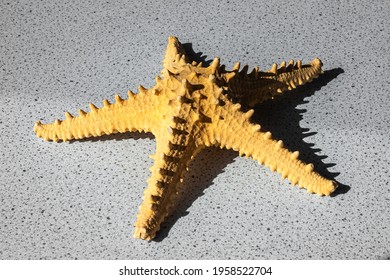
192, 107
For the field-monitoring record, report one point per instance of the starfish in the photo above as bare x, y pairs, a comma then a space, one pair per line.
192, 107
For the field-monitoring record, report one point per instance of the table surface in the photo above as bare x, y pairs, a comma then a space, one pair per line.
80, 200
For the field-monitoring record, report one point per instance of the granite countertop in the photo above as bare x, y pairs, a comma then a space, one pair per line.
79, 200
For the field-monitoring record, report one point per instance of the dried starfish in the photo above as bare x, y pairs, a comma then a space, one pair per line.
192, 107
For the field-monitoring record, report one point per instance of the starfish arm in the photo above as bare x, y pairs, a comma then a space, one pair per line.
175, 56
233, 130
176, 145
174, 151
257, 86
137, 113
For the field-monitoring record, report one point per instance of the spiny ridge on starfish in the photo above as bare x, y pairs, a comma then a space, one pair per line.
192, 107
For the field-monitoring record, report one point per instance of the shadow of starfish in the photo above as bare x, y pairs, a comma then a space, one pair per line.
117, 137
196, 56
204, 168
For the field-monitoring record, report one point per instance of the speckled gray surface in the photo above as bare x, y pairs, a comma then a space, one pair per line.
80, 200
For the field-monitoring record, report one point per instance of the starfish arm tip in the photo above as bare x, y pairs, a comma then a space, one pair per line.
333, 186
143, 233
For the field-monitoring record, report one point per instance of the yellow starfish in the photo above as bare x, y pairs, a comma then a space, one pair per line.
192, 107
